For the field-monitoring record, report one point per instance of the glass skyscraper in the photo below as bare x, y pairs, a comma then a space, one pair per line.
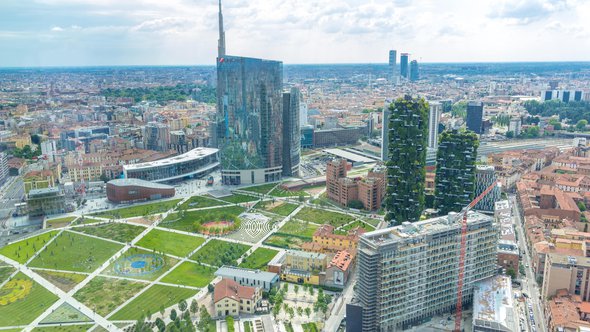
291, 132
404, 62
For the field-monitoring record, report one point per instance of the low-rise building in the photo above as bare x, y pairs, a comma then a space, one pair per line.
493, 307
46, 201
134, 190
249, 277
324, 240
339, 269
232, 299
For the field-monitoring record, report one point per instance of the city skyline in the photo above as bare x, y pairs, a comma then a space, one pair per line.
145, 32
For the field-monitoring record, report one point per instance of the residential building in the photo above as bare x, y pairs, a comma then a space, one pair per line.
515, 126
565, 95
409, 272
485, 176
4, 169
303, 267
433, 122
233, 299
325, 240
291, 132
563, 271
249, 277
46, 201
133, 190
156, 136
567, 313
339, 269
369, 191
385, 132
475, 116
508, 253
493, 307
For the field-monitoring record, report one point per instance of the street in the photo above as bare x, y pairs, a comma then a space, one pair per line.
529, 284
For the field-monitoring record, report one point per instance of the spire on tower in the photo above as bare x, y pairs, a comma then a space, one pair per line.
221, 41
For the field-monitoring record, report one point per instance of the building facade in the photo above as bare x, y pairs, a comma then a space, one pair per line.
410, 272
133, 190
485, 176
248, 277
156, 136
414, 71
291, 132
404, 65
475, 116
233, 299
42, 202
393, 66
433, 122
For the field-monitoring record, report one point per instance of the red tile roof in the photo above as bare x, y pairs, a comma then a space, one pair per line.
229, 288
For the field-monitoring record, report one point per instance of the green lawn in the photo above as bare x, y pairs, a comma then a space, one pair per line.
66, 328
356, 224
187, 220
21, 251
310, 327
280, 208
259, 258
280, 192
105, 294
60, 222
75, 252
248, 326
323, 217
285, 241
5, 272
139, 210
239, 198
126, 259
373, 222
25, 310
114, 231
171, 243
190, 274
63, 280
197, 202
217, 253
260, 189
87, 220
298, 228
152, 300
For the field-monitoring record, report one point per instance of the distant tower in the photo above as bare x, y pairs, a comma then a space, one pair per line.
393, 66
221, 41
403, 65
475, 116
414, 73
291, 132
433, 121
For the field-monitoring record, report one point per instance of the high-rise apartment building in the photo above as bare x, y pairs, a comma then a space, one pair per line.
455, 170
156, 136
515, 126
3, 167
385, 132
291, 132
410, 272
414, 71
404, 65
475, 116
485, 176
393, 66
335, 170
249, 122
303, 115
433, 122
408, 133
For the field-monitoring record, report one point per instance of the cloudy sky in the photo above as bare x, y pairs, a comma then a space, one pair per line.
177, 32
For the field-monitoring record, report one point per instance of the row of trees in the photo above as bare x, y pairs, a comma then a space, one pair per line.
574, 111
161, 94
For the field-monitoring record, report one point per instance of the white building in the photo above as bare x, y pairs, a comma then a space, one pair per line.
302, 115
433, 121
49, 149
515, 126
493, 306
3, 167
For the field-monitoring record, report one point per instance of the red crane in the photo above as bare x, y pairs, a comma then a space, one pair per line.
463, 216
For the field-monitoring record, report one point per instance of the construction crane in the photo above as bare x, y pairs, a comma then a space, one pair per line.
463, 216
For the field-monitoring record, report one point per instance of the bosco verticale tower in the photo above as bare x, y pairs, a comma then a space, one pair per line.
408, 132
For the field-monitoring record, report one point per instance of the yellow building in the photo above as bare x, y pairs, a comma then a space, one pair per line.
21, 140
324, 239
232, 299
305, 261
81, 173
563, 271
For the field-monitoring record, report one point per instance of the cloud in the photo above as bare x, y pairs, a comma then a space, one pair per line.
57, 29
526, 11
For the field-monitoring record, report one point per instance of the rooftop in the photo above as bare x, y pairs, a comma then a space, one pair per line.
492, 303
355, 158
193, 154
239, 272
229, 288
139, 183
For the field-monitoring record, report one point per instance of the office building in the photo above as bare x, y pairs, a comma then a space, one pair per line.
291, 133
409, 272
156, 136
385, 132
249, 277
394, 76
249, 122
46, 201
196, 163
455, 170
433, 122
485, 176
515, 126
408, 135
303, 115
414, 71
4, 171
307, 137
493, 306
404, 65
134, 190
565, 95
475, 117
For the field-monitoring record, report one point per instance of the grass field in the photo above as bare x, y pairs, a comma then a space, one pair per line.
285, 241
323, 217
298, 228
238, 198
21, 251
152, 300
59, 222
65, 313
27, 309
75, 252
186, 221
105, 294
248, 326
63, 280
280, 208
67, 328
190, 274
310, 327
87, 220
139, 210
356, 224
5, 272
168, 263
114, 231
279, 192
373, 222
217, 253
259, 258
197, 202
170, 243
261, 189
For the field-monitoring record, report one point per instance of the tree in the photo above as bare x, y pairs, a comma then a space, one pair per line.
204, 319
296, 289
182, 305
356, 204
307, 312
160, 324
510, 134
173, 314
291, 312
581, 125
455, 170
194, 307
582, 206
408, 126
299, 311
511, 272
275, 311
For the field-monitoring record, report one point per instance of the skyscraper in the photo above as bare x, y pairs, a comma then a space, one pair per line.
393, 66
455, 170
404, 60
414, 72
385, 132
475, 116
291, 132
303, 115
409, 273
485, 176
408, 132
249, 122
433, 122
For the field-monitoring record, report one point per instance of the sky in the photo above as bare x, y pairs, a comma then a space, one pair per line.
185, 32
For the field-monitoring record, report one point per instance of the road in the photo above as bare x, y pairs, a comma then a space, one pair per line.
529, 285
11, 193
